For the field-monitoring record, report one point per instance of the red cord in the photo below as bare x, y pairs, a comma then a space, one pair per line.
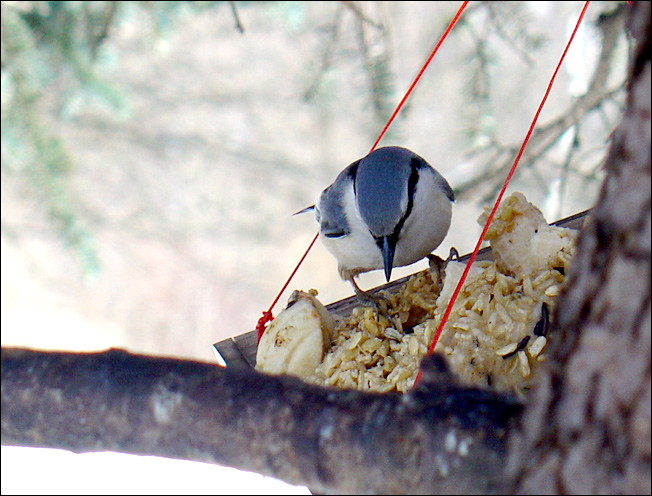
502, 192
268, 316
423, 69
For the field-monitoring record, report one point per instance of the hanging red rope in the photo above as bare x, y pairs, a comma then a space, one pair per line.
460, 284
267, 315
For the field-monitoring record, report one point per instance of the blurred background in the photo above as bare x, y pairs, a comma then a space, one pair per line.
153, 153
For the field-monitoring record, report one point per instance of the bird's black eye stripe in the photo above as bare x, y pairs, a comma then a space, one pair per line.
353, 172
412, 186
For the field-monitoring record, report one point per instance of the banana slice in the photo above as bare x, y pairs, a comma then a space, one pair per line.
295, 342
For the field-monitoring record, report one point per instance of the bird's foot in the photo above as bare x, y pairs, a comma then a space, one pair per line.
438, 265
379, 302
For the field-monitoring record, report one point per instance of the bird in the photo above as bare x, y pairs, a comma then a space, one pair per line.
388, 209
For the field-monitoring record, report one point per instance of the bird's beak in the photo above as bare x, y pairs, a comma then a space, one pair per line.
388, 256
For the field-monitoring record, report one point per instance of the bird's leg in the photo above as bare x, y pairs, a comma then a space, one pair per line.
378, 301
438, 267
368, 299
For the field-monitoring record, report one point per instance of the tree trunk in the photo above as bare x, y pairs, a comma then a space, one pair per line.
587, 427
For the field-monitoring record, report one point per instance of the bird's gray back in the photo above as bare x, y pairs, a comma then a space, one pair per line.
381, 183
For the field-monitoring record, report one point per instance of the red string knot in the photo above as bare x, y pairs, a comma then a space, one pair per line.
262, 323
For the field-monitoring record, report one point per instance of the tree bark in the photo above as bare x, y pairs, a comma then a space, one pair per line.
586, 429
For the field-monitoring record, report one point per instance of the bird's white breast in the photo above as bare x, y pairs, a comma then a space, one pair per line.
428, 223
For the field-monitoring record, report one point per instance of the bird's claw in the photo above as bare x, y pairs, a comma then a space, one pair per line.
438, 265
379, 302
453, 255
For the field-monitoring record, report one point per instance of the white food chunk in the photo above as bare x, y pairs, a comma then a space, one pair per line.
295, 341
522, 241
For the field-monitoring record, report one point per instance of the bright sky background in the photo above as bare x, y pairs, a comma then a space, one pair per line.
46, 471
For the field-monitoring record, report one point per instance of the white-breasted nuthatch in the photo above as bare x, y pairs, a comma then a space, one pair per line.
388, 209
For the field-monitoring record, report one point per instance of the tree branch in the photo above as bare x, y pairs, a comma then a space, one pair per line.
236, 17
544, 137
437, 438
